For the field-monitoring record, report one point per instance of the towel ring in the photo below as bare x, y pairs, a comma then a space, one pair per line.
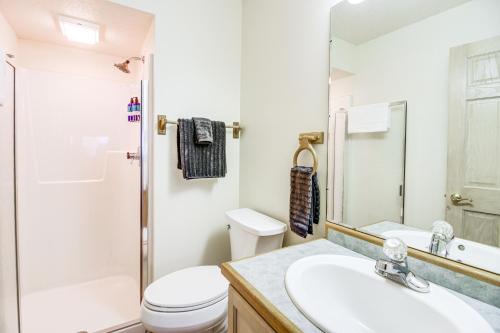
305, 144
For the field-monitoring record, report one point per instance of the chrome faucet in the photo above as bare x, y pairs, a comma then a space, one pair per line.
442, 235
395, 267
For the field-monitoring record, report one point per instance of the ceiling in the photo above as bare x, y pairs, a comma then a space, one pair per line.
122, 29
370, 19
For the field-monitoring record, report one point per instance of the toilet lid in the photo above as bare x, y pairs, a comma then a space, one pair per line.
188, 288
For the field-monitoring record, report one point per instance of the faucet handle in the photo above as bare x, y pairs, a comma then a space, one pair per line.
443, 228
395, 249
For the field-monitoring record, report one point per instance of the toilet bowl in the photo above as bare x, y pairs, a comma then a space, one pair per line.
195, 299
190, 300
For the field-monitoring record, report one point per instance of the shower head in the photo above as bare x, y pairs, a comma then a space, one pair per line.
123, 66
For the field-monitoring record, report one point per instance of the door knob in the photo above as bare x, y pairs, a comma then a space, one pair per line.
457, 200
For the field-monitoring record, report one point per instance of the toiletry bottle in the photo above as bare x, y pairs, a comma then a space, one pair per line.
137, 105
130, 105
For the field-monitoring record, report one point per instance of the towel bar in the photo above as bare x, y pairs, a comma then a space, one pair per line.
305, 141
163, 121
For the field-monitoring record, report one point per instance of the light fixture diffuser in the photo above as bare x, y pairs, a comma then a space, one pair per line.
79, 31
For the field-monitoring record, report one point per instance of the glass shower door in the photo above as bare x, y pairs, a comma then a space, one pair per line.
9, 321
78, 203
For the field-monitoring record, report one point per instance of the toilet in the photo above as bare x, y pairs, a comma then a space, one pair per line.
252, 233
194, 299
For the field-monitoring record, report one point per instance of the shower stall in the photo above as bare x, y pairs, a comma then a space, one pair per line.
74, 203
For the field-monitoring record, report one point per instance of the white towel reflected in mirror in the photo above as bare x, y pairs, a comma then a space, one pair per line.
369, 118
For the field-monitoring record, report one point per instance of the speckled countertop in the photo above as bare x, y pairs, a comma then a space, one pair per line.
266, 273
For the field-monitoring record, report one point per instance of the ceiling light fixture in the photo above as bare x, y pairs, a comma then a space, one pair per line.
79, 31
355, 2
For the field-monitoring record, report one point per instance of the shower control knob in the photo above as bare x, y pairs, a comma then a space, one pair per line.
133, 156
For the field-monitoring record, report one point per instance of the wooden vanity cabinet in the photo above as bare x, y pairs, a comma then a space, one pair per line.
242, 318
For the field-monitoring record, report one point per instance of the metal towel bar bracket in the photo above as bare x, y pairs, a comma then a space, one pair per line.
305, 143
163, 121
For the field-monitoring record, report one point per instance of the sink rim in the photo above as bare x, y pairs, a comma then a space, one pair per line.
366, 267
472, 249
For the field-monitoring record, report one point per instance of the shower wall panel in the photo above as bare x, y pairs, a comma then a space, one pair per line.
79, 213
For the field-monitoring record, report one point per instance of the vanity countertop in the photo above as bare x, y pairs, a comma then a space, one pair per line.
261, 281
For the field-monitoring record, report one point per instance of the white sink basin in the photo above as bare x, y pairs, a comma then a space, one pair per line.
344, 295
468, 252
417, 239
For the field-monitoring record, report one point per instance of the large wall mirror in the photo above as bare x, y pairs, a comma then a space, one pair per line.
415, 124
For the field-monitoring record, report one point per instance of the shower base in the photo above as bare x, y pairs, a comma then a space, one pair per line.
92, 306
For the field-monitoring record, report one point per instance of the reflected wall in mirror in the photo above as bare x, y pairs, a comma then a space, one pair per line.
415, 124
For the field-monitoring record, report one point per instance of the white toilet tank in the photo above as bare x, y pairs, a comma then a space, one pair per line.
252, 233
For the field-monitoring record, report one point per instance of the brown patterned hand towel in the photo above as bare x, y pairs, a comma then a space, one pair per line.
201, 161
304, 200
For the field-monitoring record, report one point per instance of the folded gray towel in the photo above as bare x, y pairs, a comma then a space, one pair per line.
203, 131
201, 161
304, 200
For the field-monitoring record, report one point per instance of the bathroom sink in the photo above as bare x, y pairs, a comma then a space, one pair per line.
343, 294
462, 250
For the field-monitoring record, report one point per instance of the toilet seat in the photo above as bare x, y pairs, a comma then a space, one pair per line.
187, 289
153, 307
190, 300
209, 319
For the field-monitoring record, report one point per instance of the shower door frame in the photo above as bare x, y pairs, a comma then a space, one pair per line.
147, 121
16, 232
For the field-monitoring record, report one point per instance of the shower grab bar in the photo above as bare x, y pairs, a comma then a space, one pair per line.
163, 121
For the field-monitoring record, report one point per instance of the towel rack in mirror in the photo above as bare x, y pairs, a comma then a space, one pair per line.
163, 121
305, 143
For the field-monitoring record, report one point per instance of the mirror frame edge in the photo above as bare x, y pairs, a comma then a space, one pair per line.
474, 272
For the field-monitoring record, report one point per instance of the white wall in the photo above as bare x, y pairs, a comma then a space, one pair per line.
8, 38
148, 48
342, 58
412, 64
197, 72
284, 92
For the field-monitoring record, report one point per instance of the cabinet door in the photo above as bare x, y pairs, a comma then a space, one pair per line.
243, 318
